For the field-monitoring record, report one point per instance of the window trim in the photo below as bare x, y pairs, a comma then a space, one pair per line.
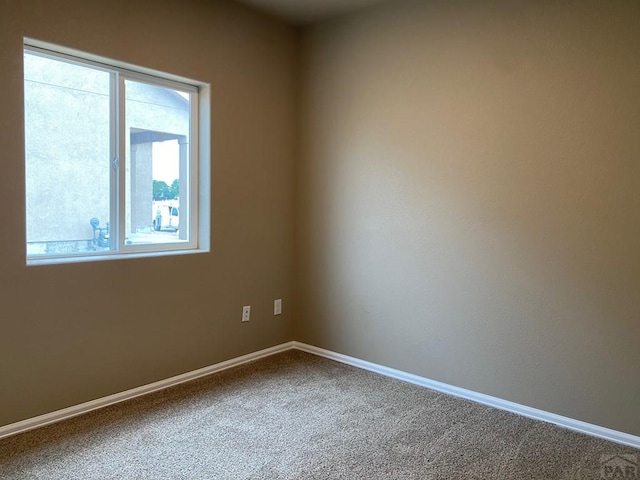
198, 201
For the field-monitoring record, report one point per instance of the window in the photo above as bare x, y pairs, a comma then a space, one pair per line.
111, 159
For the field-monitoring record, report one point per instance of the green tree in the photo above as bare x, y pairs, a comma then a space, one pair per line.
161, 190
174, 189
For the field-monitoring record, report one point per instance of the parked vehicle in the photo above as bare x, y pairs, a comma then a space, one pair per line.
166, 217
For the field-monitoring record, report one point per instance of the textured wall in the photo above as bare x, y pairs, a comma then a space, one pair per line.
469, 198
72, 333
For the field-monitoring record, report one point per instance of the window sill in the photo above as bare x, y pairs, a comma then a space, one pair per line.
110, 256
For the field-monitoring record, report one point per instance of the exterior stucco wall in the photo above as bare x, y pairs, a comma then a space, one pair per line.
68, 155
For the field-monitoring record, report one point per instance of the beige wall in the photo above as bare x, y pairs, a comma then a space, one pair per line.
469, 198
467, 203
72, 333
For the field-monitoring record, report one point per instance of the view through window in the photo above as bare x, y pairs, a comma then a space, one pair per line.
109, 159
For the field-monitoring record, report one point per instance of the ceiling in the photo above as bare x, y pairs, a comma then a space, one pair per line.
305, 12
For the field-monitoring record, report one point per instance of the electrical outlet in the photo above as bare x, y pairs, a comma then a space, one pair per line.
277, 306
246, 313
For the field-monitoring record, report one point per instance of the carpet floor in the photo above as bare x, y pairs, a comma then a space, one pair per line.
298, 416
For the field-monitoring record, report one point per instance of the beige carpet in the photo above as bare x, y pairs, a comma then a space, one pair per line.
295, 415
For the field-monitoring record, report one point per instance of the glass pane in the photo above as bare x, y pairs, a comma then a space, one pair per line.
67, 156
157, 167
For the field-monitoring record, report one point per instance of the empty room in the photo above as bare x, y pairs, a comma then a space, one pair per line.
321, 239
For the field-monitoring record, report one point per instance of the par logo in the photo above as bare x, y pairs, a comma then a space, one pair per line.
619, 465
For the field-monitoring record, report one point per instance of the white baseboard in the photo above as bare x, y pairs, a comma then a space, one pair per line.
566, 422
65, 413
577, 425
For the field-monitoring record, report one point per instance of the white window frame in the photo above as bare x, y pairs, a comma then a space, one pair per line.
198, 206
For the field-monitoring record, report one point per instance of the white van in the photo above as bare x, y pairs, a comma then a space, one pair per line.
166, 217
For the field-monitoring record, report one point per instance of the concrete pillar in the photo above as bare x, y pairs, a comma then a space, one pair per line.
141, 186
184, 191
